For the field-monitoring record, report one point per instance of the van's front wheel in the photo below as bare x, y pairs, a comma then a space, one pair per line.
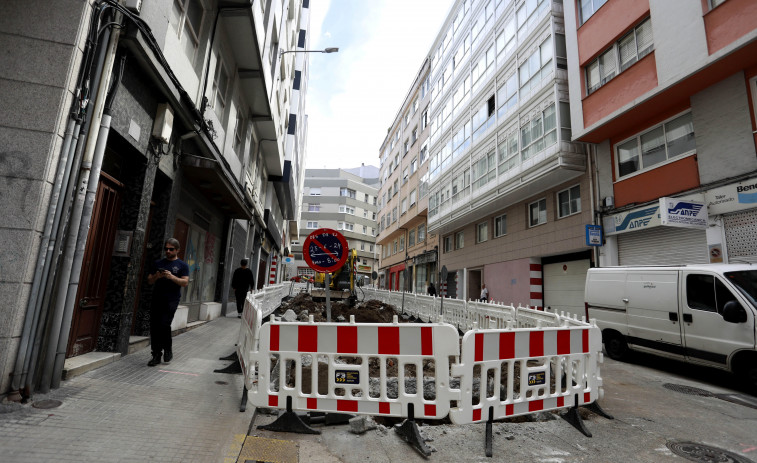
615, 345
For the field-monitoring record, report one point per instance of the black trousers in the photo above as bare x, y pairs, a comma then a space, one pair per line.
161, 316
241, 296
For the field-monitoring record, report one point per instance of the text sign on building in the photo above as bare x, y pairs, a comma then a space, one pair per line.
731, 198
634, 220
685, 213
593, 235
325, 250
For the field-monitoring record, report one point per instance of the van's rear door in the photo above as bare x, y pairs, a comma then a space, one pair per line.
652, 309
709, 338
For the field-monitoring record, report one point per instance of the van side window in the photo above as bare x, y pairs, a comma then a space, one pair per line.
705, 292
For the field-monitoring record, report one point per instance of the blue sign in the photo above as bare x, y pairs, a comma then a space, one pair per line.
593, 235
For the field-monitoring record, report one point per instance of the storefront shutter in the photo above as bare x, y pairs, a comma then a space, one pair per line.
741, 236
663, 246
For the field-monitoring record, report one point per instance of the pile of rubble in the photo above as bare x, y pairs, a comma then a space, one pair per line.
302, 306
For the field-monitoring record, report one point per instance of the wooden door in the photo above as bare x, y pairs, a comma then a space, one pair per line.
93, 280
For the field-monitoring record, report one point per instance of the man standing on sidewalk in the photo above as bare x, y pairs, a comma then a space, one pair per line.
241, 282
168, 275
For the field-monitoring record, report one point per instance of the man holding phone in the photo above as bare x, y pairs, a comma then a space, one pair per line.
168, 275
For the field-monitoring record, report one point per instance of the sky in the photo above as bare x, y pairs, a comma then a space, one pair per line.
353, 96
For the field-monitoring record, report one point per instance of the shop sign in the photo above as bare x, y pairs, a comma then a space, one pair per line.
364, 268
683, 213
637, 219
732, 198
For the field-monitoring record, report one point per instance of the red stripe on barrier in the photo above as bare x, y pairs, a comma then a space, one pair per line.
585, 338
536, 281
561, 401
429, 410
536, 344
346, 339
534, 267
312, 404
506, 345
307, 338
427, 340
535, 405
476, 414
563, 342
587, 397
536, 296
389, 340
273, 401
346, 405
274, 338
509, 409
384, 408
479, 347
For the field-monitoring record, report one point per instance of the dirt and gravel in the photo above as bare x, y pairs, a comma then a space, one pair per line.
370, 311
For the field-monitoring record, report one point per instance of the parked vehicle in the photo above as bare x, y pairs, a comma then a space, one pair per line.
702, 314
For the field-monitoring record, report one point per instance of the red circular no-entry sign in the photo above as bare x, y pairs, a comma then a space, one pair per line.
325, 250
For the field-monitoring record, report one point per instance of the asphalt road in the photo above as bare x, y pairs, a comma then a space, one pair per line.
657, 405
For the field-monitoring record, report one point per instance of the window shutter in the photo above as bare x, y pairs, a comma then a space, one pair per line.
644, 42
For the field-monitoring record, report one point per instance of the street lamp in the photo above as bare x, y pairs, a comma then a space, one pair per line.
325, 50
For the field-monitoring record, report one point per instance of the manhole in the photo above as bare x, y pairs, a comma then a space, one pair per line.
49, 403
690, 390
704, 453
222, 383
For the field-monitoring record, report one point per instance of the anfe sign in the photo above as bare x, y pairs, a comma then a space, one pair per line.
685, 213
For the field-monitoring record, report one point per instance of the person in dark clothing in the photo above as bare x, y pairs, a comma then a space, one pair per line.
241, 282
168, 275
431, 289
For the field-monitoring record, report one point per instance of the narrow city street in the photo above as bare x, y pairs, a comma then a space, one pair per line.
184, 412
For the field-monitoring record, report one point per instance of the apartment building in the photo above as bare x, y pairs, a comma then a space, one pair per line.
408, 253
509, 191
344, 200
666, 94
124, 126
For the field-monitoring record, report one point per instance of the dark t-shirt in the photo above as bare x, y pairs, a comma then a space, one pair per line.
164, 289
242, 279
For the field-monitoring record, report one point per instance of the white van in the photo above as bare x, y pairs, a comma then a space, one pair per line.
701, 314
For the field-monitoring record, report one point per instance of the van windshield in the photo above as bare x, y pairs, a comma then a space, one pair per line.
746, 281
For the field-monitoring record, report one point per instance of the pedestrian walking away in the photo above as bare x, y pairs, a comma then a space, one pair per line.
484, 293
431, 289
168, 275
241, 283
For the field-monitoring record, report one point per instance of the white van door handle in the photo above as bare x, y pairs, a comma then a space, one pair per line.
625, 299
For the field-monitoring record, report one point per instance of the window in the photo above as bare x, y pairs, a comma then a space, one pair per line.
508, 153
482, 232
349, 193
705, 292
403, 207
484, 170
362, 246
459, 240
714, 3
405, 175
407, 147
569, 201
365, 229
664, 142
508, 95
536, 67
395, 247
347, 209
413, 166
346, 226
448, 243
402, 243
412, 198
424, 153
314, 208
500, 226
421, 232
186, 17
537, 213
620, 56
588, 7
312, 224
394, 214
411, 238
414, 136
539, 133
220, 87
239, 135
367, 198
396, 186
315, 191
424, 119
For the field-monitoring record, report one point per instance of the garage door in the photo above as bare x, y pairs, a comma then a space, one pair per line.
741, 236
564, 286
663, 246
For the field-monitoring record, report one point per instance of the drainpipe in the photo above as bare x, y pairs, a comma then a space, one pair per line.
79, 227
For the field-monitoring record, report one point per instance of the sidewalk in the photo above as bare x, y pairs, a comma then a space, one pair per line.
129, 412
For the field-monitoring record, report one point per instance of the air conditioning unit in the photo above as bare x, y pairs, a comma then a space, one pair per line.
248, 188
609, 201
163, 125
135, 6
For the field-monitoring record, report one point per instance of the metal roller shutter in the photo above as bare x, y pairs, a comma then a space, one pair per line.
741, 235
663, 246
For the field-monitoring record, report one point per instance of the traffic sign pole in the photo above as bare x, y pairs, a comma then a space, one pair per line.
328, 297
